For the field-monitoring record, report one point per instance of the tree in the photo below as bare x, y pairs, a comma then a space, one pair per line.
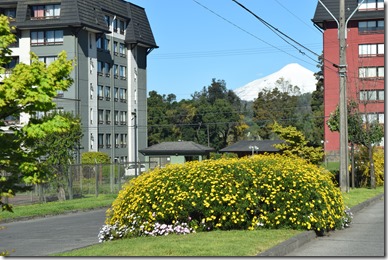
273, 105
318, 116
359, 132
295, 144
58, 150
29, 89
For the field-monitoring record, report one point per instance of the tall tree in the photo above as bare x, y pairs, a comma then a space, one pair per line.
366, 133
58, 150
318, 116
273, 105
29, 89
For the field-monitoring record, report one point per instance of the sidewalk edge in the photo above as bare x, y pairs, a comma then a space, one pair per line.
299, 240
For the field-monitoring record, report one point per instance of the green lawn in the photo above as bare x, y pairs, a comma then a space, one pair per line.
57, 207
215, 243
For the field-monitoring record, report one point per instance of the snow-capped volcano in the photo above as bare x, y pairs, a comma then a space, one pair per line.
293, 74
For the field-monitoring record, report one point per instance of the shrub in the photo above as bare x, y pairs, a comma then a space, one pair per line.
362, 166
263, 191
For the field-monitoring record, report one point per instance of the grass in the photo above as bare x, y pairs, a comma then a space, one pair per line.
215, 243
358, 195
57, 207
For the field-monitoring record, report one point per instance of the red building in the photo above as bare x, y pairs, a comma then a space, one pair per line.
364, 58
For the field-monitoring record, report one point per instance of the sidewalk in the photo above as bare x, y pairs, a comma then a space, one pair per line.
303, 244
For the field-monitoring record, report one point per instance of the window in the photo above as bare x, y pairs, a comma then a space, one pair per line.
107, 93
9, 66
100, 93
123, 117
107, 117
371, 72
49, 37
45, 11
123, 140
122, 26
369, 5
122, 50
373, 117
100, 140
116, 94
108, 141
91, 91
116, 117
107, 20
91, 116
117, 144
123, 95
107, 69
115, 48
99, 68
122, 72
47, 60
91, 141
115, 71
369, 50
366, 27
372, 95
100, 116
115, 25
10, 12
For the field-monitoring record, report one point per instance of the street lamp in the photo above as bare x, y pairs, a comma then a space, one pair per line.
253, 148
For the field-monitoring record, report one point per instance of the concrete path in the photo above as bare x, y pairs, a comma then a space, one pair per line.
365, 237
45, 236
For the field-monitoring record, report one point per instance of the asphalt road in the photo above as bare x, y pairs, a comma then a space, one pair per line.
365, 237
45, 236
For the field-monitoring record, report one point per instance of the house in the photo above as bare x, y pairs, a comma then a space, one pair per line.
246, 147
175, 152
365, 61
110, 41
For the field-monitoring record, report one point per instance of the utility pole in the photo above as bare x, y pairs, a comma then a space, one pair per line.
343, 106
135, 137
342, 67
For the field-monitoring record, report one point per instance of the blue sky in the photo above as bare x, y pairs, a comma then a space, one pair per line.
204, 39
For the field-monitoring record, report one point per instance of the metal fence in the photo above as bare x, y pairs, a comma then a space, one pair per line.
82, 180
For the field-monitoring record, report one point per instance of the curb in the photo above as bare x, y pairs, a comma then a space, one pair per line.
299, 240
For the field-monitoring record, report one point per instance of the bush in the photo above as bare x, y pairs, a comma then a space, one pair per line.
263, 191
362, 166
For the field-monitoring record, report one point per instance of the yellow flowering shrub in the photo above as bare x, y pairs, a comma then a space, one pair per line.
362, 166
263, 191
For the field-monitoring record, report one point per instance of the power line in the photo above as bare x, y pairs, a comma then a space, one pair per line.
240, 28
277, 32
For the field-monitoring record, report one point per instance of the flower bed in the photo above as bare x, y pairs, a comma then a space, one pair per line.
264, 191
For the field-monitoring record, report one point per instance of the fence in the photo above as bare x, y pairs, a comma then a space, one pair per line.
81, 180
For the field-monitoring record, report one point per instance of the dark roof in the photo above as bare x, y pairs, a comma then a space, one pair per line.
243, 146
139, 29
177, 148
321, 15
90, 14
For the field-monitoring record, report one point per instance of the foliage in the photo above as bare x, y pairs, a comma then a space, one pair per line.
295, 144
212, 117
95, 158
28, 89
362, 168
216, 156
58, 150
273, 105
263, 191
318, 116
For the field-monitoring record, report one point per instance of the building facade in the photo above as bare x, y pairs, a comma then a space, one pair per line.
364, 60
110, 41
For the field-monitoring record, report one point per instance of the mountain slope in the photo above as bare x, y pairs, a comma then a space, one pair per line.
295, 74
